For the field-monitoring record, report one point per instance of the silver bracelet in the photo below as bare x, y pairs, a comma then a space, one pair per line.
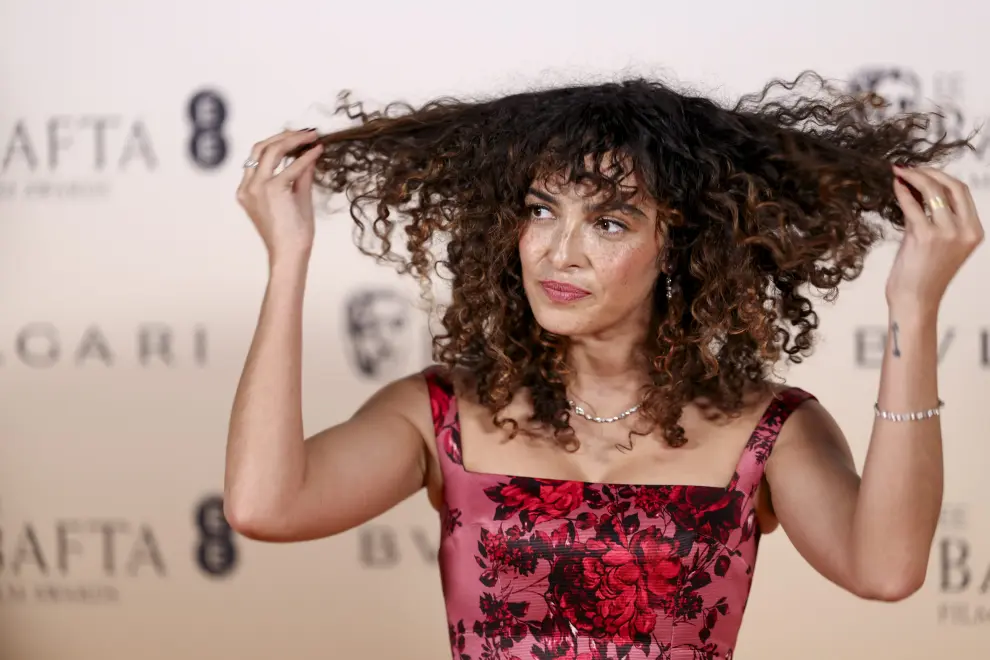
911, 416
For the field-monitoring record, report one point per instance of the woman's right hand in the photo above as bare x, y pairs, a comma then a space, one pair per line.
281, 205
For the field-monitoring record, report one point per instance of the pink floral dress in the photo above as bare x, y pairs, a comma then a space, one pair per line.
545, 569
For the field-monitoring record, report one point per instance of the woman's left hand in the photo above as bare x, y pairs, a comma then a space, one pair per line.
936, 244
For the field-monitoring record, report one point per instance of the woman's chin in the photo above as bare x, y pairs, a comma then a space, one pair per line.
565, 323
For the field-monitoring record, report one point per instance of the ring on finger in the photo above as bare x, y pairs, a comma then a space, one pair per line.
251, 163
934, 204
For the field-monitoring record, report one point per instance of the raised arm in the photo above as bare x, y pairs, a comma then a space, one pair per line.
873, 536
278, 486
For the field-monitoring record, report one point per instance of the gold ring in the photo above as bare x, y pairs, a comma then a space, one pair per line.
935, 204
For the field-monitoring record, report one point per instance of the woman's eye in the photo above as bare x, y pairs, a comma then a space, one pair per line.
610, 226
538, 212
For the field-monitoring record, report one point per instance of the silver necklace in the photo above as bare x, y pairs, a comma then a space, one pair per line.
578, 410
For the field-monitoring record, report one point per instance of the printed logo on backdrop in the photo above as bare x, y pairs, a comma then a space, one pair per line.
907, 91
967, 346
92, 560
962, 556
386, 546
207, 114
69, 155
216, 551
76, 560
45, 345
383, 338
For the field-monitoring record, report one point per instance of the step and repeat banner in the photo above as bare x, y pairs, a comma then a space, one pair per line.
130, 283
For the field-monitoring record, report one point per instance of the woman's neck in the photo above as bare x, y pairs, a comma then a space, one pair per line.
606, 373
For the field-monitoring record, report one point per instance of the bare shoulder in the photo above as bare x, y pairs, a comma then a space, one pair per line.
407, 397
810, 431
465, 384
808, 444
807, 413
463, 380
755, 400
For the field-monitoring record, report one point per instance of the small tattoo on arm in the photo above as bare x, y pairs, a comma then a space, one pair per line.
895, 330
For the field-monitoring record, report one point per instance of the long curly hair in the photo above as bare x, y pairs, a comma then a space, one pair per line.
762, 201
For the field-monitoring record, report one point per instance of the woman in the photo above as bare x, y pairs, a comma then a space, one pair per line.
603, 435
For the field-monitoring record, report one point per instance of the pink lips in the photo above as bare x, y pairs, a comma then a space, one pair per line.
561, 292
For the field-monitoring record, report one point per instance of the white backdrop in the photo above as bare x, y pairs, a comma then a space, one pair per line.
130, 284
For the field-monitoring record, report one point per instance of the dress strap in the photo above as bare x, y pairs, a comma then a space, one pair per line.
753, 462
446, 420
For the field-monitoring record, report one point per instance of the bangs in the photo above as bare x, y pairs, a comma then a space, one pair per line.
597, 146
611, 175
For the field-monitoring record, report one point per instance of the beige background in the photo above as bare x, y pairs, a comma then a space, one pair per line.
107, 448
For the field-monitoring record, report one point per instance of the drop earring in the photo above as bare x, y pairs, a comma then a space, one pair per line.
670, 287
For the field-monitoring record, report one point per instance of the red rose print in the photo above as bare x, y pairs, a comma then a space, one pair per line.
611, 592
651, 499
503, 552
714, 512
567, 570
559, 644
443, 407
536, 500
439, 405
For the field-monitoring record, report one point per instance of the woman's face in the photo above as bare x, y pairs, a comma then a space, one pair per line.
589, 267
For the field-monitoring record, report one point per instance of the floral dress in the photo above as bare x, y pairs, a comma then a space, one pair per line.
547, 569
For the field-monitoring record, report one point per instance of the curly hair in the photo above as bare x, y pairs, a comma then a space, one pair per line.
762, 201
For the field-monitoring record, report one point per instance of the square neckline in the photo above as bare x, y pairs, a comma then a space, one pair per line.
723, 490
